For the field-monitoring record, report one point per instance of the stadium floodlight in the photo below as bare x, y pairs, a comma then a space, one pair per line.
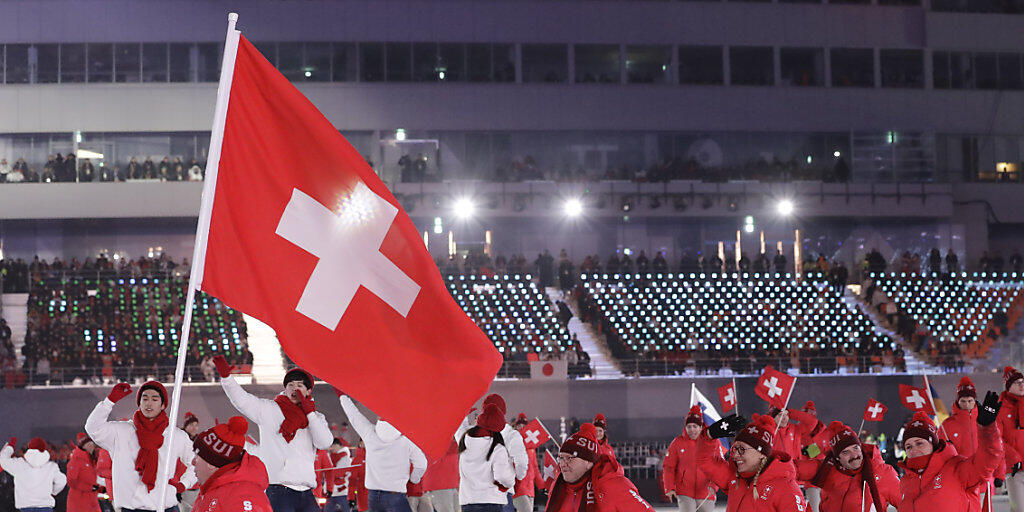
572, 207
784, 207
464, 208
400, 134
836, 153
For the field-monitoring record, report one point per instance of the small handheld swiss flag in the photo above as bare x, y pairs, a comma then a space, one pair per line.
775, 387
727, 395
915, 399
550, 470
875, 410
534, 434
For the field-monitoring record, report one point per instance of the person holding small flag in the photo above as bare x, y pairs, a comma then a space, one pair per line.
682, 478
291, 431
590, 481
1011, 425
526, 489
846, 469
937, 479
230, 479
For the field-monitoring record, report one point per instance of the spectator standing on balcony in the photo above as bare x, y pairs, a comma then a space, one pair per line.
545, 269
164, 170
952, 262
37, 479
139, 448
178, 172
5, 169
876, 262
148, 169
682, 477
86, 171
660, 265
779, 262
565, 273
643, 265
49, 173
31, 175
935, 261
1016, 261
291, 430
70, 169
195, 172
133, 171
20, 165
15, 176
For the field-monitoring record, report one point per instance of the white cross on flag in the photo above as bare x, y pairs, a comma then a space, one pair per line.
727, 395
915, 399
300, 233
775, 387
550, 470
875, 410
534, 434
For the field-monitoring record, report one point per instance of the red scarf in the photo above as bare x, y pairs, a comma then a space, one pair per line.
918, 464
150, 433
571, 497
294, 419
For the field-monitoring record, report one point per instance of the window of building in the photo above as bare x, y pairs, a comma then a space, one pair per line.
127, 62
344, 60
751, 65
100, 62
268, 49
902, 68
47, 63
701, 65
399, 62
940, 70
451, 62
208, 61
3, 64
17, 64
490, 63
316, 62
154, 62
1010, 71
648, 64
547, 63
371, 62
425, 62
802, 66
986, 70
72, 63
289, 61
852, 67
597, 63
180, 62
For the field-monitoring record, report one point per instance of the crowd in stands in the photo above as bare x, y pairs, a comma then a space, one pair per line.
66, 168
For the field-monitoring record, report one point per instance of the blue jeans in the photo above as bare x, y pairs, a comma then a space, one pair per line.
36, 509
336, 504
482, 507
385, 501
509, 507
284, 499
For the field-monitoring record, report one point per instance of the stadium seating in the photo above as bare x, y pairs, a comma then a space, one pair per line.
682, 322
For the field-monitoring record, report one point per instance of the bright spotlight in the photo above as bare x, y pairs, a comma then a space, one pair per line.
573, 207
400, 134
464, 208
836, 153
784, 207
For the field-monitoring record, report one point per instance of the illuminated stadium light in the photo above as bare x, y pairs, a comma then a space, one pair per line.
572, 207
400, 134
464, 208
784, 207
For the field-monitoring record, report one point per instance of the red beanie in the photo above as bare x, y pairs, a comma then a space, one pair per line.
759, 433
582, 444
809, 407
842, 437
189, 419
522, 419
600, 421
300, 375
497, 400
922, 426
491, 419
37, 443
224, 443
81, 439
1010, 374
155, 386
966, 388
695, 416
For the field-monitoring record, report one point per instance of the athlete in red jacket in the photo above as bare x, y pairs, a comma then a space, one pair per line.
357, 479
441, 481
842, 473
961, 429
756, 478
590, 481
936, 478
526, 489
605, 446
682, 478
1011, 425
230, 480
82, 486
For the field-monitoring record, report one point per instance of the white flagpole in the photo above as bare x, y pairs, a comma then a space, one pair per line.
931, 400
785, 407
735, 398
220, 114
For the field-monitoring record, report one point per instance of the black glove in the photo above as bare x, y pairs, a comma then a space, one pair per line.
95, 488
998, 482
352, 505
1014, 469
727, 426
989, 409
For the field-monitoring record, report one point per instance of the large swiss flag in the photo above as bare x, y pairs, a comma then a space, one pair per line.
305, 237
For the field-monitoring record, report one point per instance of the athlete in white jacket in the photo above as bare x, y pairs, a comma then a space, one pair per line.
288, 444
485, 469
389, 455
134, 489
37, 479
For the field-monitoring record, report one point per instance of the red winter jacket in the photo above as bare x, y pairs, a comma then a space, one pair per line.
606, 491
961, 429
237, 487
324, 473
945, 485
774, 490
680, 472
528, 486
605, 448
81, 479
444, 472
1011, 427
790, 439
357, 480
841, 490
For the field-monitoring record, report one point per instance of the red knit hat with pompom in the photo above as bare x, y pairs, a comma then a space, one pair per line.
695, 416
491, 419
759, 433
582, 444
966, 388
224, 443
842, 437
600, 421
37, 443
922, 426
1011, 375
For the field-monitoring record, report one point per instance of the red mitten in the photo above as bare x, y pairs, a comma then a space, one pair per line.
120, 391
223, 368
12, 442
337, 392
306, 403
177, 486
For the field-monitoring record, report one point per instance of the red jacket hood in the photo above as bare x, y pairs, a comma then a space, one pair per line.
250, 470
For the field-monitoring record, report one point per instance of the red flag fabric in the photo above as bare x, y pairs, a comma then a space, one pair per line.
727, 396
534, 434
915, 399
550, 470
875, 410
775, 387
305, 237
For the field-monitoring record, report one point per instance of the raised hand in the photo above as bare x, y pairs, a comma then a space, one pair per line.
989, 409
727, 426
120, 391
223, 368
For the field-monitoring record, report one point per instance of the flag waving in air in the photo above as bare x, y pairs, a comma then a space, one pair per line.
727, 396
300, 233
875, 410
550, 470
915, 399
534, 434
775, 387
